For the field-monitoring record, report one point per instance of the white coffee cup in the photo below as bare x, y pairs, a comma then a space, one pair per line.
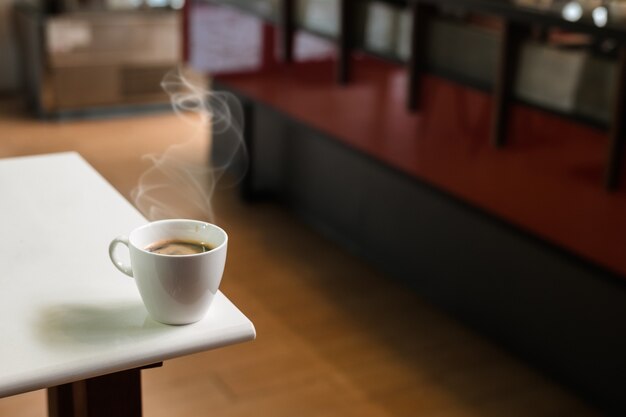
176, 289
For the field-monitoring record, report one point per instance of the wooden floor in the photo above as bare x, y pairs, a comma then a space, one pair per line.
335, 337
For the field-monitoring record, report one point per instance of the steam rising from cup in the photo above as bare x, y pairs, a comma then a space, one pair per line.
180, 183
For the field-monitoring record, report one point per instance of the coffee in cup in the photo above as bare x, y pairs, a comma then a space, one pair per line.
177, 247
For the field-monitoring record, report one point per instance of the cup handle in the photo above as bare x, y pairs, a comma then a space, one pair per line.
122, 266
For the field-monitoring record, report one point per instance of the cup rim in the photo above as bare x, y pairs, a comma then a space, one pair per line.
150, 224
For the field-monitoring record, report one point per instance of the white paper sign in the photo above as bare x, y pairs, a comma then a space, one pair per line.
65, 36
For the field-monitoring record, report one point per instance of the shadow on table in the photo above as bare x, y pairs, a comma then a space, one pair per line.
98, 325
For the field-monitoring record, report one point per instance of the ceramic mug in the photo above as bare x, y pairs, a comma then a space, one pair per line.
176, 289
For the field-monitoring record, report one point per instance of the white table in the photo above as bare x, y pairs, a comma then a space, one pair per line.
69, 320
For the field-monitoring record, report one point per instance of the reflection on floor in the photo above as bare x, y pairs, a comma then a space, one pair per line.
335, 338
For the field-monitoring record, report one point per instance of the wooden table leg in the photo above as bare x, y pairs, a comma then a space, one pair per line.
117, 394
512, 36
186, 41
617, 131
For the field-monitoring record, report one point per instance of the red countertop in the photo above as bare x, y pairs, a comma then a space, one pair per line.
547, 180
